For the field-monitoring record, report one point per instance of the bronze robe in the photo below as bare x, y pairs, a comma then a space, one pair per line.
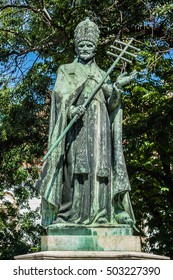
86, 172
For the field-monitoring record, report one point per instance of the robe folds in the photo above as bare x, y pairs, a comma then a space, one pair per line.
86, 172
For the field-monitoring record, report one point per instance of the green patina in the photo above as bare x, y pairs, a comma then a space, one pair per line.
84, 183
90, 231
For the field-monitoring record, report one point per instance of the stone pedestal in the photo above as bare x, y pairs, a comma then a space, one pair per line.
91, 243
96, 243
115, 238
89, 255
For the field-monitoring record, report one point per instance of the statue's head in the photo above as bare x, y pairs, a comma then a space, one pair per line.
86, 37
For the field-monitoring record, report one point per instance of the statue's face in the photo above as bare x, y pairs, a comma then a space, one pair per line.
86, 50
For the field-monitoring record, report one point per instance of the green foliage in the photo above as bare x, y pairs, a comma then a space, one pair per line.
149, 154
36, 38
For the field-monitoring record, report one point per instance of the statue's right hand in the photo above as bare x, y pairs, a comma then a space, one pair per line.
80, 110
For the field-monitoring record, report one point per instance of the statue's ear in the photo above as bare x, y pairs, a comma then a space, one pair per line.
76, 49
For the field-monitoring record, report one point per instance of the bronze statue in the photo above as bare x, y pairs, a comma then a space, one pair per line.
84, 180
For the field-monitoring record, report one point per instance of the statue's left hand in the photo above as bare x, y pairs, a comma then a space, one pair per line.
124, 78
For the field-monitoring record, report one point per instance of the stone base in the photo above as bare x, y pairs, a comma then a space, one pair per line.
99, 243
95, 230
85, 238
90, 255
91, 243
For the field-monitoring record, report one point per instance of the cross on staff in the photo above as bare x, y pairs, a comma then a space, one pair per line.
97, 88
126, 52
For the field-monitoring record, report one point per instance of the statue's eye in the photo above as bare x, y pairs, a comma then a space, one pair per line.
81, 45
89, 45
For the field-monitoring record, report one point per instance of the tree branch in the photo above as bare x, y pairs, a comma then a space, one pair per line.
33, 49
43, 12
17, 34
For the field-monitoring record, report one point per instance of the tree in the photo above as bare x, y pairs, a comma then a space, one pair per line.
36, 38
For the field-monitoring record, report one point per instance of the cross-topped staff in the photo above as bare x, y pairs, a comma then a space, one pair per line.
87, 102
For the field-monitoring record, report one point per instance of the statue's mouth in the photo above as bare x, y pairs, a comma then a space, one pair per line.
85, 52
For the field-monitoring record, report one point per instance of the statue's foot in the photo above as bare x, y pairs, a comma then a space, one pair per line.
124, 218
59, 220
